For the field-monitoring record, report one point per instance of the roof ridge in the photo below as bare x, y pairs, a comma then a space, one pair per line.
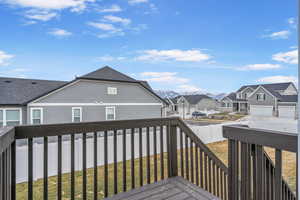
32, 79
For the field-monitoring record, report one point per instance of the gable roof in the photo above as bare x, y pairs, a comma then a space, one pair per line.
289, 98
107, 74
194, 99
271, 86
231, 96
18, 91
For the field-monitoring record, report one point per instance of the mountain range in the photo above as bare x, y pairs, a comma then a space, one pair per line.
172, 94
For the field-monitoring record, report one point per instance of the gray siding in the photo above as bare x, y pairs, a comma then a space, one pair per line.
207, 104
270, 100
96, 91
245, 92
23, 110
63, 114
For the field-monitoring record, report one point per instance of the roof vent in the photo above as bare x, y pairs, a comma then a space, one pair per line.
7, 81
33, 83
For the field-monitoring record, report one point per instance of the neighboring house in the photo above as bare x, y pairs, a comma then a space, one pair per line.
278, 99
187, 104
104, 94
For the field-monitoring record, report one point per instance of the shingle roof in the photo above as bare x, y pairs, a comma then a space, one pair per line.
17, 91
194, 99
231, 96
289, 98
271, 86
109, 74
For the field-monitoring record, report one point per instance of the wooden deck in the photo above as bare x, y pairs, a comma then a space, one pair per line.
175, 188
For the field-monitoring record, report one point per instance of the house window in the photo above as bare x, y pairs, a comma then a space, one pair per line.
36, 116
110, 113
1, 118
260, 96
76, 114
13, 117
112, 91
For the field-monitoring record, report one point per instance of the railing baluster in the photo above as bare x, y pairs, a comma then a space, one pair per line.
259, 174
205, 172
2, 176
141, 156
197, 164
124, 162
192, 160
72, 167
45, 195
115, 163
209, 175
201, 169
155, 152
221, 185
218, 181
132, 159
84, 182
214, 178
95, 165
30, 169
162, 168
278, 174
148, 155
187, 157
59, 166
13, 171
181, 154
105, 165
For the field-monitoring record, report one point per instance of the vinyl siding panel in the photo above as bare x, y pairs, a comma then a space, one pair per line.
96, 91
270, 100
63, 114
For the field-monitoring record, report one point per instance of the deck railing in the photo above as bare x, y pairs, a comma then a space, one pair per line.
151, 150
252, 174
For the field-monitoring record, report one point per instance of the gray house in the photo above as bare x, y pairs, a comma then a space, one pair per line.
278, 99
104, 94
187, 104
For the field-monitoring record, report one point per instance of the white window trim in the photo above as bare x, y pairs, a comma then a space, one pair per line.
109, 89
4, 114
263, 99
31, 114
112, 107
80, 110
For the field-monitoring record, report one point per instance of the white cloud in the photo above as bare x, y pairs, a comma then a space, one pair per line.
291, 20
290, 57
257, 67
279, 35
4, 58
108, 58
112, 9
174, 55
164, 77
278, 79
40, 15
188, 88
133, 2
115, 19
75, 5
104, 26
60, 33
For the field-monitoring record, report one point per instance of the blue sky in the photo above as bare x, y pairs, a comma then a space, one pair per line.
196, 45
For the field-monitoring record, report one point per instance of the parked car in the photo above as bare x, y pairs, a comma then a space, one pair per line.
197, 114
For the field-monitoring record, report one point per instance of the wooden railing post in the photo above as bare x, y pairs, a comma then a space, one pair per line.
173, 150
233, 172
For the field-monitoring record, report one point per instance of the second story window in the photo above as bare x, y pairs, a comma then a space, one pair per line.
76, 114
1, 118
13, 117
110, 113
36, 115
261, 97
112, 91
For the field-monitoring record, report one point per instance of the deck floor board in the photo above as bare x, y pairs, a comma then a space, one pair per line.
175, 188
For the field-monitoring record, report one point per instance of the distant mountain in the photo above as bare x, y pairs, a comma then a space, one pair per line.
172, 94
166, 93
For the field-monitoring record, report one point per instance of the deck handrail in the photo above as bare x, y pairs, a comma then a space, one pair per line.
274, 139
170, 138
260, 177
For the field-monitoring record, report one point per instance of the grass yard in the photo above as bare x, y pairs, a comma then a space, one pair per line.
219, 148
